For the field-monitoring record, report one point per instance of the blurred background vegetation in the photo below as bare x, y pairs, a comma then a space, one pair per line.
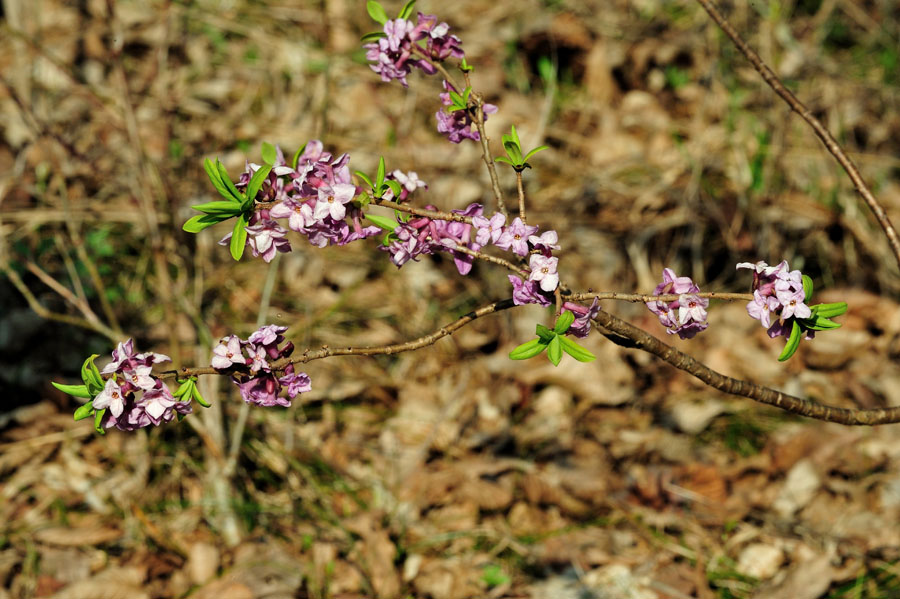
450, 472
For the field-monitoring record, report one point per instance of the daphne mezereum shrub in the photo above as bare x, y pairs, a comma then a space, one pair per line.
314, 194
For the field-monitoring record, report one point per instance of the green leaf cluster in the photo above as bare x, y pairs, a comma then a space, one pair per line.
514, 156
377, 189
819, 320
554, 341
236, 204
93, 385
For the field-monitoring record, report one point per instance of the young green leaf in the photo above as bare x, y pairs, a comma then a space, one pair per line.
792, 344
820, 323
544, 333
407, 9
376, 11
215, 178
807, 288
388, 224
184, 389
369, 37
535, 151
830, 310
256, 182
576, 351
269, 153
98, 418
91, 376
195, 224
395, 187
236, 196
527, 350
365, 178
73, 390
563, 322
379, 176
554, 350
84, 411
239, 237
195, 394
219, 208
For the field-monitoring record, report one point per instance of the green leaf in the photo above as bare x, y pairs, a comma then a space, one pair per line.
503, 159
376, 11
792, 344
84, 411
73, 390
214, 177
563, 322
527, 350
515, 136
395, 187
91, 376
820, 323
195, 224
544, 333
184, 389
535, 151
236, 196
576, 351
554, 350
807, 288
98, 418
256, 182
219, 208
830, 310
388, 224
195, 394
407, 9
365, 178
299, 152
269, 153
379, 176
239, 237
371, 37
514, 153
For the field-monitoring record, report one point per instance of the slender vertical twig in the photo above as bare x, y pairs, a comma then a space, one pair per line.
797, 106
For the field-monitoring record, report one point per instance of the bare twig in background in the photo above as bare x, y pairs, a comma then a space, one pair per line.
797, 106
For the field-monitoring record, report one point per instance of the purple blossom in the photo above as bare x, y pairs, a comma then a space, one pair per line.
527, 292
228, 353
515, 237
488, 231
581, 326
761, 308
111, 397
263, 390
266, 238
792, 304
296, 383
547, 241
299, 214
139, 378
543, 269
690, 317
778, 297
332, 199
268, 335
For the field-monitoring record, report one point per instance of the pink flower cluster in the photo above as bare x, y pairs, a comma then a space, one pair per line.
131, 375
685, 316
261, 387
777, 292
457, 125
315, 198
399, 51
423, 236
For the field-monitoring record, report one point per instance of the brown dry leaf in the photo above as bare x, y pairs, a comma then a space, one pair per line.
807, 580
224, 589
453, 578
375, 554
112, 583
73, 537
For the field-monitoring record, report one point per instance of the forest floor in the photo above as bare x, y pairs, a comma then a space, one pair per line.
450, 472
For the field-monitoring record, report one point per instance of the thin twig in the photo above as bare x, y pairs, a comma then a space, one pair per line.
485, 147
667, 297
797, 106
504, 263
521, 189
